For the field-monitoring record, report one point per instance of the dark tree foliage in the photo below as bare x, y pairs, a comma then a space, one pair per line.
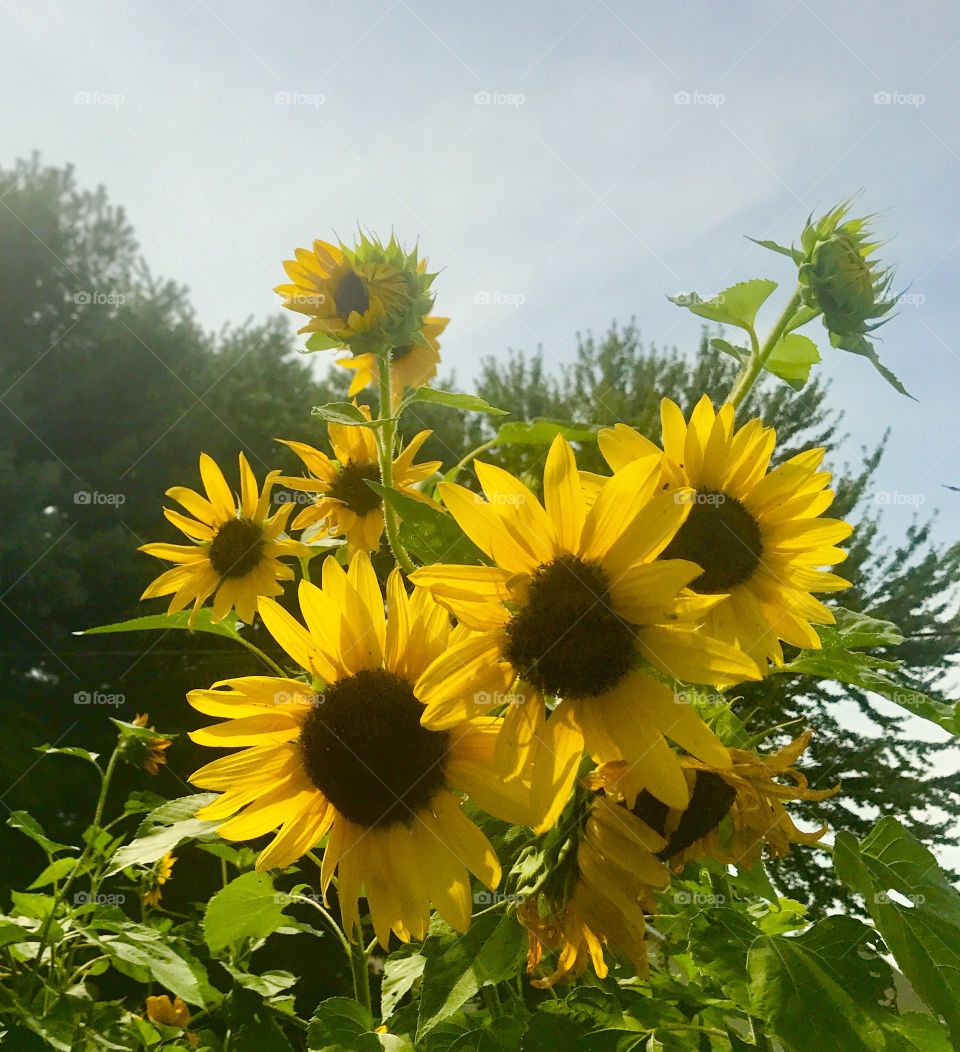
865, 744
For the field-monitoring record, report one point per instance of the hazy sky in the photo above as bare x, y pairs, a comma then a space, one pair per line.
571, 162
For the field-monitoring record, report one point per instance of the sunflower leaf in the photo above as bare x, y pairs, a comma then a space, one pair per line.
345, 414
427, 532
164, 622
247, 908
792, 358
162, 830
913, 906
337, 1023
737, 305
455, 400
542, 432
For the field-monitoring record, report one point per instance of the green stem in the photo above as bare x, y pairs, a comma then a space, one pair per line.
387, 433
747, 376
61, 895
265, 658
482, 448
360, 970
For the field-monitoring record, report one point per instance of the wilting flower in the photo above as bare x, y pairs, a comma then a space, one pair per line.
616, 873
141, 746
576, 600
348, 757
170, 1013
750, 792
344, 502
236, 545
758, 534
157, 878
370, 298
410, 366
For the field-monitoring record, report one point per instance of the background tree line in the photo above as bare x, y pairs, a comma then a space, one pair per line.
110, 388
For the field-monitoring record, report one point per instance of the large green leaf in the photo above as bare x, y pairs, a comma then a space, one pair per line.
914, 907
459, 965
427, 532
455, 400
247, 908
144, 953
737, 305
542, 432
346, 414
400, 972
792, 358
26, 823
163, 829
818, 990
164, 622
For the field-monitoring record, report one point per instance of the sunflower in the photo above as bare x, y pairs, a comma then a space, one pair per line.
369, 298
617, 872
344, 502
758, 534
410, 366
576, 600
748, 791
346, 755
236, 547
168, 1013
158, 877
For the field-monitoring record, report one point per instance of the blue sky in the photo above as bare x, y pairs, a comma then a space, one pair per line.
573, 162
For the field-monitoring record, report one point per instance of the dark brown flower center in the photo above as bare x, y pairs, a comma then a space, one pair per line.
721, 536
565, 639
363, 747
237, 548
351, 487
710, 802
351, 295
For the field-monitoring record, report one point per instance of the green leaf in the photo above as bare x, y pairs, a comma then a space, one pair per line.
923, 931
792, 253
247, 908
737, 305
719, 941
163, 829
320, 341
26, 823
164, 622
739, 354
792, 359
338, 1021
809, 988
269, 984
541, 432
858, 630
455, 400
459, 965
920, 1033
68, 750
141, 952
400, 972
861, 345
345, 413
57, 870
427, 532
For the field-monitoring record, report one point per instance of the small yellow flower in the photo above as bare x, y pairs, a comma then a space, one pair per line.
760, 535
169, 1013
236, 545
344, 503
410, 366
751, 791
162, 874
617, 872
370, 298
147, 752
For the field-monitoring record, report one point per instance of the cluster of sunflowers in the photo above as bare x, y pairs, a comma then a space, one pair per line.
559, 682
